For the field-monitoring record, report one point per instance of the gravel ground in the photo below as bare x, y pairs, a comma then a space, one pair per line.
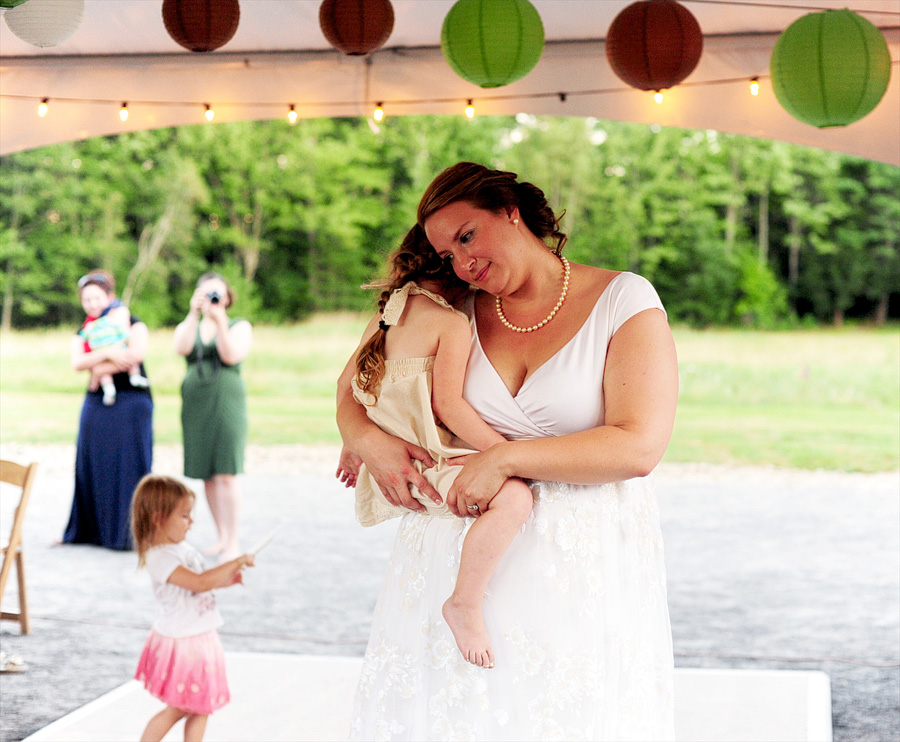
768, 568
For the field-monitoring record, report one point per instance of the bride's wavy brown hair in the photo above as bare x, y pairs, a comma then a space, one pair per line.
496, 191
414, 260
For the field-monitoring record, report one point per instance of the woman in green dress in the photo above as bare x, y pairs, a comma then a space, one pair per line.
214, 408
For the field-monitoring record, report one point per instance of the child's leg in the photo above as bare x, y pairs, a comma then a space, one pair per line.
487, 541
160, 724
195, 727
109, 389
136, 378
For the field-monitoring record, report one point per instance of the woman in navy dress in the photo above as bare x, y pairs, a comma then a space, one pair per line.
115, 442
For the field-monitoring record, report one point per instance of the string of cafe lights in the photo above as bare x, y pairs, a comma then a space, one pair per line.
378, 112
379, 107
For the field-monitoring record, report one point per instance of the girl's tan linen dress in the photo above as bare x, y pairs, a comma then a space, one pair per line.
403, 409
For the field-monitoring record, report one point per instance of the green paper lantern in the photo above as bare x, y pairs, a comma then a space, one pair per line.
830, 68
492, 42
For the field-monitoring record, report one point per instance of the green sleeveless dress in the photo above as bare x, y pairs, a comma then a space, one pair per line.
213, 413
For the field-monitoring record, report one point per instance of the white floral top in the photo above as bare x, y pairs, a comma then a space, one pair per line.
183, 613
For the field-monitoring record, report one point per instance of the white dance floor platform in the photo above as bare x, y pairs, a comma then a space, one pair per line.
279, 697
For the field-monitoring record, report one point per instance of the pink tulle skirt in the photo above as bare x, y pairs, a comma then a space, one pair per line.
186, 673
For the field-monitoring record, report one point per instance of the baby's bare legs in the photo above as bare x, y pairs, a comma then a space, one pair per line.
109, 389
487, 541
160, 724
137, 379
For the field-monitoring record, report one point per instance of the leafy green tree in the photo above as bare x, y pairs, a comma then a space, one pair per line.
57, 202
762, 301
869, 236
731, 230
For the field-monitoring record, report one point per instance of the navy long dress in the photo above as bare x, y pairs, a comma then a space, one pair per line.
115, 449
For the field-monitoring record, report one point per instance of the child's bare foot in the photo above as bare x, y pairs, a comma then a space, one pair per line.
468, 629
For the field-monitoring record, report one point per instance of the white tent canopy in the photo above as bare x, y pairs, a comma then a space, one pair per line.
279, 57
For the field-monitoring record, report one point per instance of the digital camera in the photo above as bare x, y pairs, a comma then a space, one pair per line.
214, 296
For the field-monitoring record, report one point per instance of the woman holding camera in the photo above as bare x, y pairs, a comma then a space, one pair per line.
214, 407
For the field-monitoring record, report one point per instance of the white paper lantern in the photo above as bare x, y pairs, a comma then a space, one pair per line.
45, 22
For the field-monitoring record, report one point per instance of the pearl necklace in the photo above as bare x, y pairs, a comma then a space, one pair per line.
562, 297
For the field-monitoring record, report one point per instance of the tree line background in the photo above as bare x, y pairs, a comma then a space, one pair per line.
731, 230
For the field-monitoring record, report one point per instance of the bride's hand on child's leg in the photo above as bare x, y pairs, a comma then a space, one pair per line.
348, 467
391, 463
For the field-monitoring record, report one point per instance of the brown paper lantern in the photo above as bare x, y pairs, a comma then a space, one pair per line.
201, 25
654, 44
356, 27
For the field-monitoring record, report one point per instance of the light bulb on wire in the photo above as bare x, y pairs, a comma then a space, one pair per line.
658, 97
123, 112
42, 108
292, 115
470, 110
378, 113
754, 86
210, 114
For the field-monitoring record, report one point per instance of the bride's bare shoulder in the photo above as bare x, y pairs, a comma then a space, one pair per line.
590, 282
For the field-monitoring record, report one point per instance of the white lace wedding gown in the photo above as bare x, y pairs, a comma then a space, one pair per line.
576, 610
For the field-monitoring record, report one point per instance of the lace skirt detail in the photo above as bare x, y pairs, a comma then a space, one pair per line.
577, 616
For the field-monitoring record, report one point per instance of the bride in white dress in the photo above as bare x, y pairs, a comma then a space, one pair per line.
577, 369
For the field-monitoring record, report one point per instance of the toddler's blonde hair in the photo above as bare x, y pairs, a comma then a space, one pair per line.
414, 260
155, 499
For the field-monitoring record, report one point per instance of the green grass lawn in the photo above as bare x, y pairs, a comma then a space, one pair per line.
809, 399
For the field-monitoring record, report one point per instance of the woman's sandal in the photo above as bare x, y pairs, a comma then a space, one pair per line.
12, 663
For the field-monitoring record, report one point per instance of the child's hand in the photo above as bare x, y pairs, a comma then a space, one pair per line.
348, 467
245, 560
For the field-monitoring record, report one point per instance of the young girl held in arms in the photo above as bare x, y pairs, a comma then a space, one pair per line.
408, 373
182, 664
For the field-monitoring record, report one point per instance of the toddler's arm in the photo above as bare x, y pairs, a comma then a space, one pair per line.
224, 575
454, 342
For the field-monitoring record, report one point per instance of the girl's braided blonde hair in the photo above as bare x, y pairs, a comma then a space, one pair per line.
414, 260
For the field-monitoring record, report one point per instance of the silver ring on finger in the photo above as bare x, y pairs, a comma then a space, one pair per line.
473, 508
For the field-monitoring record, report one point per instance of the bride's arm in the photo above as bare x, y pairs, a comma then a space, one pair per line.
388, 459
640, 388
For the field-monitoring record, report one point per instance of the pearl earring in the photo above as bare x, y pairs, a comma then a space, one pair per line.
515, 221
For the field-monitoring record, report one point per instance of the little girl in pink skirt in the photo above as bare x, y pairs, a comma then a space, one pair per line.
182, 664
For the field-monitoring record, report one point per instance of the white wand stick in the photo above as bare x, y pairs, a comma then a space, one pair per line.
265, 542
